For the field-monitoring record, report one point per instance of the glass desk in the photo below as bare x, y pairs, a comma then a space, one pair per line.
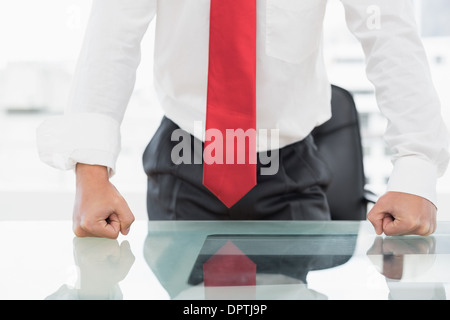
223, 260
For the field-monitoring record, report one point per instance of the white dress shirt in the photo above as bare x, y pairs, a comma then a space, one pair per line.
293, 92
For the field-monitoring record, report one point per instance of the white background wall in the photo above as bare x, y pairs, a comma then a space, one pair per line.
40, 41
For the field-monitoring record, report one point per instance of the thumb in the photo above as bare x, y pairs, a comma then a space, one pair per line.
126, 217
390, 225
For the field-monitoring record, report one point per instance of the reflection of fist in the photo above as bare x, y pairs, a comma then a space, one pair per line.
103, 263
402, 245
394, 249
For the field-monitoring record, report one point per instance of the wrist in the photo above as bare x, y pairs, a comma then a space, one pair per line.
90, 173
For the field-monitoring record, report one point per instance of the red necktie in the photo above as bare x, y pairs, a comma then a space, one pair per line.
231, 101
229, 266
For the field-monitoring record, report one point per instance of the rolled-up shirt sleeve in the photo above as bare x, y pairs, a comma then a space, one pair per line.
397, 65
89, 130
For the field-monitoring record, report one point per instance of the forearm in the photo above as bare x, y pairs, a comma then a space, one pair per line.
398, 68
89, 131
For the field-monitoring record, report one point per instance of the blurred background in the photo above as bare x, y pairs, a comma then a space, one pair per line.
40, 42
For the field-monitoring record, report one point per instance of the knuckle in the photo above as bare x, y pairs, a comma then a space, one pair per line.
427, 229
86, 225
372, 212
79, 231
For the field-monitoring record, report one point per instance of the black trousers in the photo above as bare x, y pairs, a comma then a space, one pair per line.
175, 191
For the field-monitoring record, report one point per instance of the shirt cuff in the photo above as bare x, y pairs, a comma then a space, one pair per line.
415, 176
89, 138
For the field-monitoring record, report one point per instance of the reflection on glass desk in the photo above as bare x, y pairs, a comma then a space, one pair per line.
193, 260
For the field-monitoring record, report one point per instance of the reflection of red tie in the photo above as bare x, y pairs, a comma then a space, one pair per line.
231, 99
229, 266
